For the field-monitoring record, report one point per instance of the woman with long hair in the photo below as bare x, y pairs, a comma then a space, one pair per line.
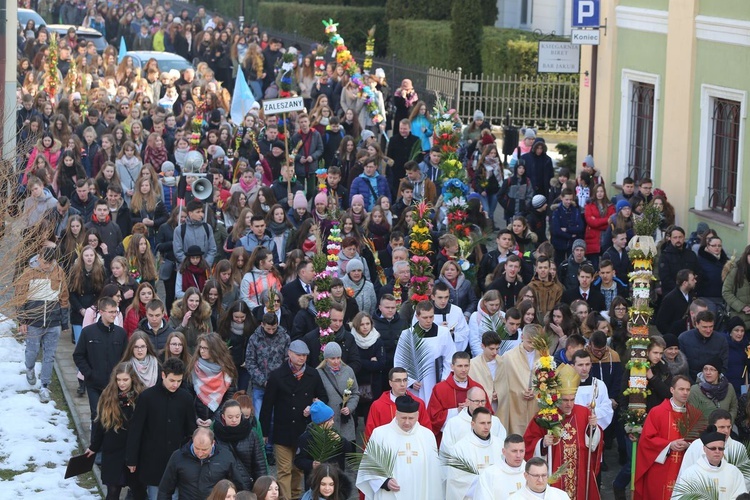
261, 276
528, 312
560, 324
293, 259
326, 484
175, 347
123, 280
147, 207
69, 170
229, 291
235, 327
488, 316
373, 361
377, 228
238, 259
140, 259
193, 272
110, 431
618, 323
461, 290
136, 311
224, 489
241, 228
212, 294
264, 201
213, 377
281, 230
267, 488
140, 353
129, 167
86, 281
597, 213
232, 209
107, 153
421, 125
71, 242
191, 315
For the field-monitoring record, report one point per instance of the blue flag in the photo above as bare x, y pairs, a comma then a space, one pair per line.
123, 49
242, 100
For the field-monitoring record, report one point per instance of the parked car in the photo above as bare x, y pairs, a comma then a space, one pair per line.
88, 34
165, 60
24, 15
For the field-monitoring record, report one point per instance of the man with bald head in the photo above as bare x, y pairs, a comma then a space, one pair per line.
459, 426
195, 468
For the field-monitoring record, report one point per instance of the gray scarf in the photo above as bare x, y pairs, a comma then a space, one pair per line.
147, 370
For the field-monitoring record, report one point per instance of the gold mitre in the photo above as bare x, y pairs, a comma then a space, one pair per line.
568, 380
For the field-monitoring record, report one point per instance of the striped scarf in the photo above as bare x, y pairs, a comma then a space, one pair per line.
297, 373
210, 383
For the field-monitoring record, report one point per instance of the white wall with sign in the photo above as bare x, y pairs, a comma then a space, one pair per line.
559, 57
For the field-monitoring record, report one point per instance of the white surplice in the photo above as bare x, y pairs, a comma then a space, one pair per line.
499, 481
440, 346
604, 411
478, 452
549, 494
460, 426
726, 478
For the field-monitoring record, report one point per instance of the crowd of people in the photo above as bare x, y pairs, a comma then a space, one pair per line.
194, 317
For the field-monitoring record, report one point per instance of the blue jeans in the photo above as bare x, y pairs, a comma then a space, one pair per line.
243, 380
258, 400
153, 493
489, 204
77, 332
256, 89
45, 339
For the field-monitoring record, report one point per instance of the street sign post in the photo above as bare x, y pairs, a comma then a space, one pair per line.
586, 14
558, 57
584, 37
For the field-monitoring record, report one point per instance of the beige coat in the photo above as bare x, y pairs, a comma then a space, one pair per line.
480, 372
514, 411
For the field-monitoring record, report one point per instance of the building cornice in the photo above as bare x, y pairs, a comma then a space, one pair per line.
722, 30
638, 19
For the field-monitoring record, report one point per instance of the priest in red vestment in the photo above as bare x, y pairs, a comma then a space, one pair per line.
661, 446
581, 438
449, 396
383, 409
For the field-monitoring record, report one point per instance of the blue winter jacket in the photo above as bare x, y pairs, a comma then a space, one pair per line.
361, 185
570, 219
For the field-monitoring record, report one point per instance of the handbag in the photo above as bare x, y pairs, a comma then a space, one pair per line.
166, 270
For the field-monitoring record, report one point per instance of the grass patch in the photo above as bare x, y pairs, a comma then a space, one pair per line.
88, 480
8, 474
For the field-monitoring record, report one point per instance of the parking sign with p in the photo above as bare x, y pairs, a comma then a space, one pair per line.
586, 14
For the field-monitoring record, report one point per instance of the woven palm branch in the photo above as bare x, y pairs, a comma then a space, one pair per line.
692, 424
324, 444
698, 488
377, 460
458, 462
490, 324
559, 473
542, 342
740, 458
415, 358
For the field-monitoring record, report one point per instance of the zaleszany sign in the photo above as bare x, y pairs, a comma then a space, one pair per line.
274, 106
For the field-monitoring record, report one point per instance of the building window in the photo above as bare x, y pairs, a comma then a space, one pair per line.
526, 12
641, 130
720, 158
725, 141
639, 114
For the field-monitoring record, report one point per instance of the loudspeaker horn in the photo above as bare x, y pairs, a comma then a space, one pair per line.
202, 189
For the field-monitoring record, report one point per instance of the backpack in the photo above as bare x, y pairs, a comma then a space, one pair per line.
183, 232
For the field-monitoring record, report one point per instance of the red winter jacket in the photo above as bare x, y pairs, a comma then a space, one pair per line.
596, 224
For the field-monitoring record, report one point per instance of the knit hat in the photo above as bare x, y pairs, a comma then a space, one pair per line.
219, 153
589, 162
320, 412
478, 115
670, 340
701, 229
474, 196
167, 166
75, 96
622, 204
734, 322
380, 73
538, 201
299, 200
529, 133
488, 139
194, 251
299, 347
716, 363
366, 134
579, 243
332, 350
358, 198
321, 198
215, 116
354, 265
406, 404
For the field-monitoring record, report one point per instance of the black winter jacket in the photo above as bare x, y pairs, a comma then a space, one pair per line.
670, 263
98, 351
390, 331
196, 478
244, 444
161, 423
112, 444
285, 400
349, 349
158, 338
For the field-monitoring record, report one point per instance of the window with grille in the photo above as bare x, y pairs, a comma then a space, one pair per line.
724, 141
641, 130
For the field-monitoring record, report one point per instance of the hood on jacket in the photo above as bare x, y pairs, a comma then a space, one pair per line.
703, 253
538, 141
306, 302
56, 146
178, 313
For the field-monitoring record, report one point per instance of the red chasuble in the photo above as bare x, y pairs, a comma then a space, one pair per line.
654, 481
571, 449
383, 410
447, 395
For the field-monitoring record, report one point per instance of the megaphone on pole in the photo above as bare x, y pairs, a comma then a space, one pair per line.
202, 189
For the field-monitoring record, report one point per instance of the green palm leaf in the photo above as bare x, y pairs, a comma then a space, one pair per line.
740, 458
697, 488
415, 357
458, 462
490, 324
559, 473
324, 444
377, 460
